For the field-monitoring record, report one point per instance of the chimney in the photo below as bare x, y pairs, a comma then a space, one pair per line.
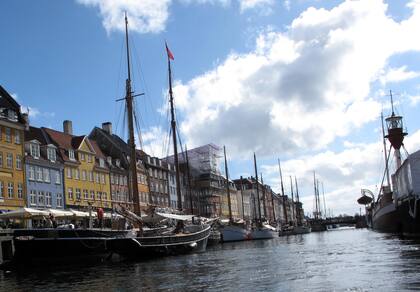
25, 118
68, 127
107, 127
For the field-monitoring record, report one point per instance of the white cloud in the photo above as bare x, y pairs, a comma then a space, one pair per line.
151, 16
156, 142
398, 75
287, 4
414, 99
145, 16
299, 89
343, 173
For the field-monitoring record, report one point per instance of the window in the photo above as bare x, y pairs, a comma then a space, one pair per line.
1, 190
82, 156
58, 177
78, 194
51, 154
10, 190
47, 177
48, 199
41, 198
76, 174
117, 162
70, 193
1, 159
86, 194
20, 191
32, 197
17, 137
31, 172
18, 161
104, 196
101, 162
92, 195
59, 200
97, 177
98, 195
89, 158
34, 150
83, 174
9, 160
8, 135
102, 178
71, 154
39, 174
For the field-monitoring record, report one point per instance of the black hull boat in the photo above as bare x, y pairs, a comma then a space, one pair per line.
193, 239
403, 219
49, 244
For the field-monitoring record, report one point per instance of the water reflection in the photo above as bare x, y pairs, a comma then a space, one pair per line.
348, 260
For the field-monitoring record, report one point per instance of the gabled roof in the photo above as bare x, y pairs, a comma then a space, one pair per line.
7, 100
35, 134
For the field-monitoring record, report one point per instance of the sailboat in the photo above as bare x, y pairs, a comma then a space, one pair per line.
396, 209
186, 236
298, 227
317, 223
232, 231
260, 229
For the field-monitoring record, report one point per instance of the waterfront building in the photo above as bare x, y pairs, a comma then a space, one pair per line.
233, 201
44, 171
12, 178
86, 173
117, 153
158, 175
207, 184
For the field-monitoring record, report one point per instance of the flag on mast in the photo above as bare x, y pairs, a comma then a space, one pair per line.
170, 55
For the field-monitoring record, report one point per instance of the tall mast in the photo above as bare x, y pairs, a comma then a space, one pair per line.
263, 196
189, 180
282, 194
272, 204
227, 185
242, 199
316, 199
323, 196
293, 203
258, 192
385, 154
297, 203
173, 126
132, 143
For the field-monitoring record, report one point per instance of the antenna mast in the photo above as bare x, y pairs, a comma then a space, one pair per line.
282, 193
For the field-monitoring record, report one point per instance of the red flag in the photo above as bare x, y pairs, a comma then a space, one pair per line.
170, 56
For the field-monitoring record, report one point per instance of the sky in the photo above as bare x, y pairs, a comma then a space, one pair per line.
302, 81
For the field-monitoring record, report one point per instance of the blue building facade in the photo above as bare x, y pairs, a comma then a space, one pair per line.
44, 171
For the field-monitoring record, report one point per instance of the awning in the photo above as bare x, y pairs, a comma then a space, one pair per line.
81, 214
60, 213
23, 213
175, 216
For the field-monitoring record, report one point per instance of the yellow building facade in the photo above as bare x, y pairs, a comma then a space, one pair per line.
12, 177
86, 173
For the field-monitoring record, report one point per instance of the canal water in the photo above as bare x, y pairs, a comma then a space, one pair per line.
340, 260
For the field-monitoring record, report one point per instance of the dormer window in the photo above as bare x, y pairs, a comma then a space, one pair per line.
11, 115
34, 149
101, 162
71, 154
109, 160
118, 162
51, 154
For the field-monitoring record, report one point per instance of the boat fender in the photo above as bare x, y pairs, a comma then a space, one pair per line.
193, 244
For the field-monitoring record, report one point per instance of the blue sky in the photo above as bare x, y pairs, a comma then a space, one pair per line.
303, 81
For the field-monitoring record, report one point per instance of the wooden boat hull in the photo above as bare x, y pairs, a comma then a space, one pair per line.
33, 245
230, 233
157, 246
391, 219
295, 230
262, 234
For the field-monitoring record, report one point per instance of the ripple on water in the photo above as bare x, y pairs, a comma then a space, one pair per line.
349, 260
